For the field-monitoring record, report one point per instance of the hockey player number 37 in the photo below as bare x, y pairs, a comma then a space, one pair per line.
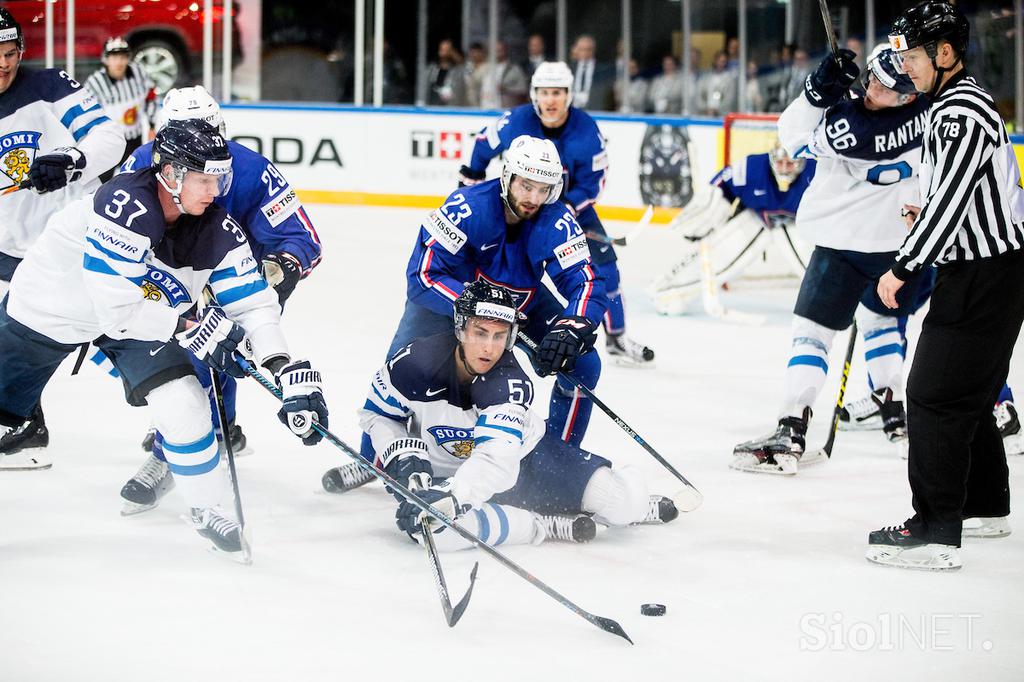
116, 207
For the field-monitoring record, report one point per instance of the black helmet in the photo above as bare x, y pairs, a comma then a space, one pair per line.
192, 145
10, 29
925, 24
489, 301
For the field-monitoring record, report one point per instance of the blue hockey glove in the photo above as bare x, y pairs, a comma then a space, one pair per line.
833, 78
568, 338
282, 271
214, 340
409, 516
403, 458
52, 171
303, 400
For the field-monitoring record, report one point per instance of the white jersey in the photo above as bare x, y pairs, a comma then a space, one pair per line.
41, 111
476, 434
867, 163
110, 265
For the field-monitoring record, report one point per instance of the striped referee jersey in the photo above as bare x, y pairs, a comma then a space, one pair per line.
125, 101
973, 203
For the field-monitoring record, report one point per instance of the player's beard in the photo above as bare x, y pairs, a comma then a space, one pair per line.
517, 208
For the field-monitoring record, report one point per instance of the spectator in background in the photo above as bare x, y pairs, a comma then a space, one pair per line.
794, 83
592, 82
476, 68
755, 100
536, 54
509, 81
718, 88
772, 83
691, 84
447, 77
666, 92
856, 46
732, 49
636, 95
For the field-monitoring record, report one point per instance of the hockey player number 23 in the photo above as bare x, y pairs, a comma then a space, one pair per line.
116, 207
464, 209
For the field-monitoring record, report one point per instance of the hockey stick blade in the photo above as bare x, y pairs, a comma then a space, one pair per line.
24, 184
645, 220
606, 624
460, 608
605, 239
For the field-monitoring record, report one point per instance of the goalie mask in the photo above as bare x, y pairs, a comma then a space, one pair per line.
785, 168
487, 301
182, 104
191, 146
533, 159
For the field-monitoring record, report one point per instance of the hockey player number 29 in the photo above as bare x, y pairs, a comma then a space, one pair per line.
116, 207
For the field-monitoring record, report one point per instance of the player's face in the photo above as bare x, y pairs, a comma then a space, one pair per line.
880, 97
554, 105
10, 58
117, 65
198, 191
527, 196
483, 343
918, 66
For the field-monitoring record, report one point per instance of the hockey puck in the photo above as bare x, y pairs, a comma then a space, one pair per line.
652, 609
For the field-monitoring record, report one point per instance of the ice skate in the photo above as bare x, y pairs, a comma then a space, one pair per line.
23, 448
860, 415
344, 478
147, 442
239, 443
1009, 428
224, 532
144, 490
894, 419
897, 546
626, 352
777, 453
661, 510
579, 528
980, 527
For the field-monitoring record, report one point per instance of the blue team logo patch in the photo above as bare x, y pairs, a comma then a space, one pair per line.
457, 442
17, 152
158, 285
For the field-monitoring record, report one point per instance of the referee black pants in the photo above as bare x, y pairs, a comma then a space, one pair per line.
957, 465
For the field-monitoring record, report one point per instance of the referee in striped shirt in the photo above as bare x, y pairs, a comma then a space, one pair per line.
126, 93
971, 225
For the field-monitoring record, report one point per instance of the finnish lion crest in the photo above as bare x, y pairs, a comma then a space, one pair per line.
455, 440
17, 152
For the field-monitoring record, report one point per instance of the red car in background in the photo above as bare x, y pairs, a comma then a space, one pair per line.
166, 35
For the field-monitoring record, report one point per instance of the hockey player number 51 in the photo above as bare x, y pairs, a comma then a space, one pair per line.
116, 207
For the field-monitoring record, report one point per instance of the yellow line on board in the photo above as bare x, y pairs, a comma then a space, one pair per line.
316, 196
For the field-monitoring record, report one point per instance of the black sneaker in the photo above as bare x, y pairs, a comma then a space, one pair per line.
31, 434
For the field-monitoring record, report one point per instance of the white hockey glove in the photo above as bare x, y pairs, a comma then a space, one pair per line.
214, 341
408, 516
53, 171
706, 211
405, 458
303, 400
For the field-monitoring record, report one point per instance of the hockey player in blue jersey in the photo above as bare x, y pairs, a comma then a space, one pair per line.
56, 140
126, 269
509, 231
581, 148
456, 409
748, 207
282, 239
868, 151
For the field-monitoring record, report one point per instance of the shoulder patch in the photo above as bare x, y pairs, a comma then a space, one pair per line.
444, 231
279, 209
572, 252
951, 129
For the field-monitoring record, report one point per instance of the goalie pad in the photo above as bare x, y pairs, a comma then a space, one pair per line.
733, 248
707, 211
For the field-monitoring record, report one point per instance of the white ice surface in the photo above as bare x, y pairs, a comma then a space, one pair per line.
336, 592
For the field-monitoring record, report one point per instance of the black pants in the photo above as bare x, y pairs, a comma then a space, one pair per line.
957, 464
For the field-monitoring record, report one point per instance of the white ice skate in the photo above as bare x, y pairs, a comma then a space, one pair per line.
978, 527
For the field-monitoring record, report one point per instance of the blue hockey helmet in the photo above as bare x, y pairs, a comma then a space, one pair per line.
10, 29
191, 145
883, 65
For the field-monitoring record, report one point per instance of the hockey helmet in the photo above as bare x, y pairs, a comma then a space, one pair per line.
116, 45
551, 75
785, 168
10, 30
928, 22
884, 66
191, 145
181, 104
490, 302
534, 159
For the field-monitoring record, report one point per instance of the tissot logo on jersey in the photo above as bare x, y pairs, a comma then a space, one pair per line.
453, 440
17, 152
572, 252
445, 232
158, 285
279, 209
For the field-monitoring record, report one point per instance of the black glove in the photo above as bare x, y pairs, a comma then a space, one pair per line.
833, 78
402, 459
55, 170
468, 176
282, 271
302, 400
214, 341
408, 516
568, 338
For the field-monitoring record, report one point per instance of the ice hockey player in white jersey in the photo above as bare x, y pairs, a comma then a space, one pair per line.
456, 407
126, 269
868, 151
748, 207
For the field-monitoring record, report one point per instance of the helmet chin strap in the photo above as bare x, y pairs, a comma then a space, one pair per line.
465, 364
176, 191
933, 53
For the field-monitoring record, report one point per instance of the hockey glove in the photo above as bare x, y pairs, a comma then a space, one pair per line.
568, 338
214, 341
403, 458
469, 177
282, 271
830, 82
52, 171
303, 400
706, 211
408, 517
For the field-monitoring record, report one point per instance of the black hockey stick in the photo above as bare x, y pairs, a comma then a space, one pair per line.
826, 450
225, 430
606, 624
693, 499
830, 31
645, 220
451, 615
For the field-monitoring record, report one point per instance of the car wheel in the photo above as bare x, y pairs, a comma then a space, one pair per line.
162, 61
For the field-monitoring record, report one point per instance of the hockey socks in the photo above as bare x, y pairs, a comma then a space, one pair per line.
808, 366
495, 524
617, 497
883, 350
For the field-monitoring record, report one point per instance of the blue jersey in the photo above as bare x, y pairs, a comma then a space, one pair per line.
752, 182
467, 239
580, 146
261, 200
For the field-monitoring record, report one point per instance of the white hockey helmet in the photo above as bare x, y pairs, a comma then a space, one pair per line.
785, 168
181, 104
534, 159
551, 75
